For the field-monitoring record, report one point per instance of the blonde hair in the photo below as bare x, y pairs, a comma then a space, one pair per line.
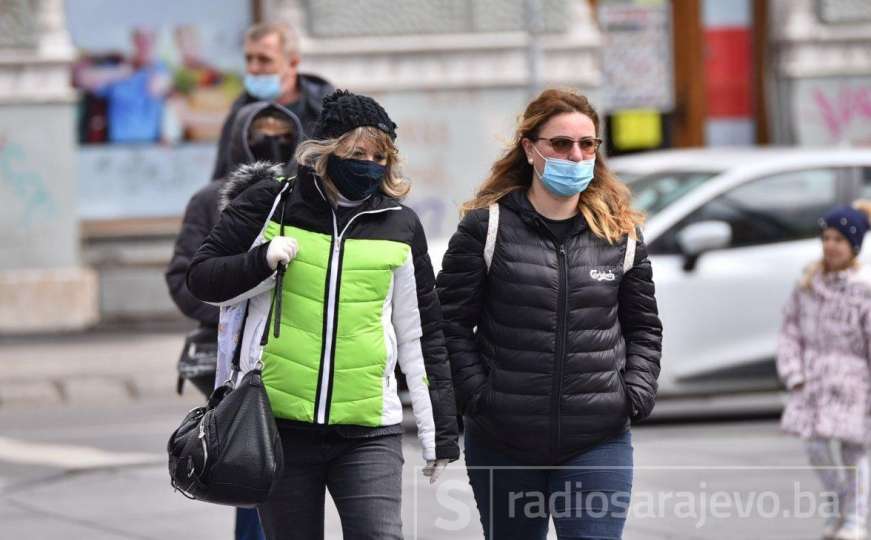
316, 153
605, 204
864, 206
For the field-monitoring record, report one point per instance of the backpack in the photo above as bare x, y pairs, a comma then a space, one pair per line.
493, 231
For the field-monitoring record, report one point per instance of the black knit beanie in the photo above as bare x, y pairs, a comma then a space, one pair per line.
344, 111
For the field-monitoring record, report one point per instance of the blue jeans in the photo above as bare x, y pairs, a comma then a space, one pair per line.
585, 496
248, 525
364, 476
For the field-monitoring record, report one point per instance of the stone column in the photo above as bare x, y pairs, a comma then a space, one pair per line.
43, 286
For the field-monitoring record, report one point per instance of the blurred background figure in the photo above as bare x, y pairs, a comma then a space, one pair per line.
134, 92
823, 359
271, 61
261, 131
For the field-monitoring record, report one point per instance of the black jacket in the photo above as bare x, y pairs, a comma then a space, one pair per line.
312, 90
201, 215
555, 348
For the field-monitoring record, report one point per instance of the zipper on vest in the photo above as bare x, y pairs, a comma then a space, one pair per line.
324, 385
332, 294
561, 316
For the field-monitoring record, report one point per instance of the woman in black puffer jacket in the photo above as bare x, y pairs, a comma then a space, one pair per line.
552, 328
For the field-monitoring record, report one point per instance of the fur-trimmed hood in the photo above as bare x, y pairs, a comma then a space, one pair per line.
244, 177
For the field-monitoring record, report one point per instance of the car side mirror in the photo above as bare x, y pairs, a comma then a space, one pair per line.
701, 237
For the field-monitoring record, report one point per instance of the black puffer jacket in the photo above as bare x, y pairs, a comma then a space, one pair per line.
566, 347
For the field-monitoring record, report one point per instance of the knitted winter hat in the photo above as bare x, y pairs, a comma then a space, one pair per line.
344, 111
850, 222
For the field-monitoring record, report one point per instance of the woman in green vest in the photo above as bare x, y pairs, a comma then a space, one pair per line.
357, 298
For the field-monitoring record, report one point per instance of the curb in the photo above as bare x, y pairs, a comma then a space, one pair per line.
85, 390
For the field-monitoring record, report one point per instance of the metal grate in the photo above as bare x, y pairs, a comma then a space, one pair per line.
844, 11
351, 18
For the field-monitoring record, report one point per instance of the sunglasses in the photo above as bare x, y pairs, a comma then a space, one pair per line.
563, 145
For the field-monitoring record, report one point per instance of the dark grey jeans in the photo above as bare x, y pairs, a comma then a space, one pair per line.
364, 476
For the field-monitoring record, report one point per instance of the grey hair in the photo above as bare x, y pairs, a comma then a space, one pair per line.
286, 35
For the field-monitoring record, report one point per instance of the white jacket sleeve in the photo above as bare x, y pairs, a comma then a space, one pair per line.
407, 324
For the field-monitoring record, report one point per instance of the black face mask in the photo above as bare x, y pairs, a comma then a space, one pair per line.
355, 179
271, 148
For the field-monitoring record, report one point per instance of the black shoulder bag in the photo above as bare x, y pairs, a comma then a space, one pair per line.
229, 451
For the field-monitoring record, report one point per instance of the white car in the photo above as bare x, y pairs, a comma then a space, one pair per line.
729, 232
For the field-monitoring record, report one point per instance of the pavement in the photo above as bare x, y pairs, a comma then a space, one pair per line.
91, 367
84, 419
98, 471
122, 365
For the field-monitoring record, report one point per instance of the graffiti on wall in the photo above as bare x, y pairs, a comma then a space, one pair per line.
27, 191
833, 111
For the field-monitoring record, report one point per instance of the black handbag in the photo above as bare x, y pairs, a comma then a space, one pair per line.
229, 451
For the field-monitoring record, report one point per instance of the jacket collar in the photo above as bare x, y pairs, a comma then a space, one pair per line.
518, 202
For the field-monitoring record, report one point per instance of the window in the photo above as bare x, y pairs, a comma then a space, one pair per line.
865, 190
773, 209
653, 193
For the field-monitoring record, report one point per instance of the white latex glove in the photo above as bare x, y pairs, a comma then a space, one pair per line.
282, 249
434, 469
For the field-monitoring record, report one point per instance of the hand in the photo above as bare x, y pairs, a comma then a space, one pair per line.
282, 249
434, 469
478, 400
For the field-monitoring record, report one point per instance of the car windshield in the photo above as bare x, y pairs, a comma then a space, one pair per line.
652, 193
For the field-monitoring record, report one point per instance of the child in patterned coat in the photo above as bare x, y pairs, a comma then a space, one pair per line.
823, 359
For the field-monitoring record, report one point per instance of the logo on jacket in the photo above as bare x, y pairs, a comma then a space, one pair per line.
599, 275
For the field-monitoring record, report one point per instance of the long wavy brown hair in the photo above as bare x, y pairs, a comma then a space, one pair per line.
605, 204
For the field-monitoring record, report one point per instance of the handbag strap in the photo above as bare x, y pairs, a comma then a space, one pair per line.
237, 354
235, 365
275, 303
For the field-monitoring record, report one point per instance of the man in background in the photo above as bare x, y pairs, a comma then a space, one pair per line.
271, 74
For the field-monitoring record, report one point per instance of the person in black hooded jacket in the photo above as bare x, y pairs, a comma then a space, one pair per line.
272, 141
552, 330
262, 132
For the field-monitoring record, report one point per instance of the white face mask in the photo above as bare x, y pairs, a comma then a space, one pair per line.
263, 87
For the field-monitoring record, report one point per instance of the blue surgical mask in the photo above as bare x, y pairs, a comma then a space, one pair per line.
263, 87
355, 179
564, 177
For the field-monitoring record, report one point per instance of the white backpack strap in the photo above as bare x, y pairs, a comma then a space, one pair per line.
629, 259
492, 230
